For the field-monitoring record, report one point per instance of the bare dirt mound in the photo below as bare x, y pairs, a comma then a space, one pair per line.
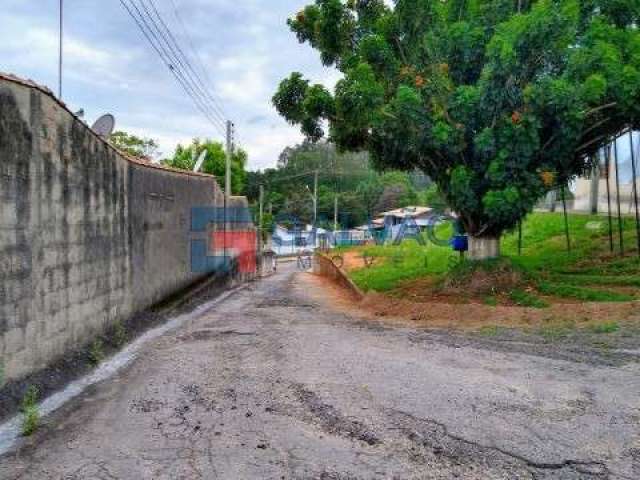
483, 278
442, 312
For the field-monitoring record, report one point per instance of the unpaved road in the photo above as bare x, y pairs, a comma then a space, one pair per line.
276, 384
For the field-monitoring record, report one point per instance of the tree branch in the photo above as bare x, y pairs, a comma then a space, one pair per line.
591, 142
593, 111
401, 51
595, 126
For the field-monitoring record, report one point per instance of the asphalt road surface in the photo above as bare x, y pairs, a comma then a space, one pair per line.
276, 383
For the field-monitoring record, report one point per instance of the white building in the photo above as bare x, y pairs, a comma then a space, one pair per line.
591, 193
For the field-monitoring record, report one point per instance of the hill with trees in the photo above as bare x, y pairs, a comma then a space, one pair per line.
362, 192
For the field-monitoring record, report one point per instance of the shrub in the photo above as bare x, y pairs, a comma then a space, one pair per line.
30, 411
96, 352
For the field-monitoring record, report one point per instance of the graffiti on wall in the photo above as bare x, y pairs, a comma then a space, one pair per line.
222, 239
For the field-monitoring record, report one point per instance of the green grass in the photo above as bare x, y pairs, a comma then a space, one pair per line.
583, 294
491, 301
96, 352
491, 331
544, 260
30, 421
605, 328
119, 337
556, 332
395, 264
615, 266
577, 279
30, 411
527, 299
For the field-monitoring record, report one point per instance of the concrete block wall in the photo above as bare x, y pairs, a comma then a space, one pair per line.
87, 236
324, 266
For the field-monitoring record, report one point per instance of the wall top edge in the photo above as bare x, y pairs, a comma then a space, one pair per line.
8, 77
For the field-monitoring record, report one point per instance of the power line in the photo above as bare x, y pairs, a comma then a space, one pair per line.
185, 63
175, 62
197, 56
166, 59
148, 33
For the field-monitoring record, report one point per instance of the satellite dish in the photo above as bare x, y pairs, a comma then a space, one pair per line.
104, 125
200, 162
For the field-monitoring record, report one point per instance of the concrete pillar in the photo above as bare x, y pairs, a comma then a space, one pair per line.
594, 194
483, 248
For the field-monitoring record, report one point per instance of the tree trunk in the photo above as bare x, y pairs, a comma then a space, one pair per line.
484, 248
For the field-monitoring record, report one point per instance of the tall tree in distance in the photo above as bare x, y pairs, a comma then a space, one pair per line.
185, 158
497, 101
139, 147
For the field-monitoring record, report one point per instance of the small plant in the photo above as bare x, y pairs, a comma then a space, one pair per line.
491, 301
96, 352
30, 421
30, 397
526, 299
605, 328
581, 293
30, 411
490, 331
552, 333
119, 334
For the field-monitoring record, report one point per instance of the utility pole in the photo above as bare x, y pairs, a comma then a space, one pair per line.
335, 214
60, 50
261, 204
261, 217
315, 197
227, 183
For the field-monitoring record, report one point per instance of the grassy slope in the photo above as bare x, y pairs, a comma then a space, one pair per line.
580, 274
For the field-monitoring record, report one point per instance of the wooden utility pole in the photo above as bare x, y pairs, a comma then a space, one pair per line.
227, 183
261, 216
315, 197
335, 214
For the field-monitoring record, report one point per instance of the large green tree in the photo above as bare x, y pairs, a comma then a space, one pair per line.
185, 158
498, 101
139, 147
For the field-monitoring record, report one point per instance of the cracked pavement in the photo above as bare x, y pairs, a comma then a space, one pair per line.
277, 383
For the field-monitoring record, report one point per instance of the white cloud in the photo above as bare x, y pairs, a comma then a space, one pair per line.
245, 47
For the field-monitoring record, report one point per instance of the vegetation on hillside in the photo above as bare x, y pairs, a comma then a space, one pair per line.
362, 193
588, 273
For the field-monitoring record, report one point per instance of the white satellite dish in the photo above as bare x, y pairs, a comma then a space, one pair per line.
200, 162
104, 125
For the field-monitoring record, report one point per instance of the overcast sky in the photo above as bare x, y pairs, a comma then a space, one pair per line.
245, 46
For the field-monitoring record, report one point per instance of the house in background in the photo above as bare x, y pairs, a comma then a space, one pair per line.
608, 182
420, 215
390, 223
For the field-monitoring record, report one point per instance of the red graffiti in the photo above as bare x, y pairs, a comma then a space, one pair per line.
237, 244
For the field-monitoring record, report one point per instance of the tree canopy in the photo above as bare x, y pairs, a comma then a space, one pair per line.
185, 158
498, 101
361, 192
139, 147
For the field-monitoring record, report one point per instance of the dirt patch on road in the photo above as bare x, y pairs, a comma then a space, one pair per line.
593, 333
473, 316
356, 260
